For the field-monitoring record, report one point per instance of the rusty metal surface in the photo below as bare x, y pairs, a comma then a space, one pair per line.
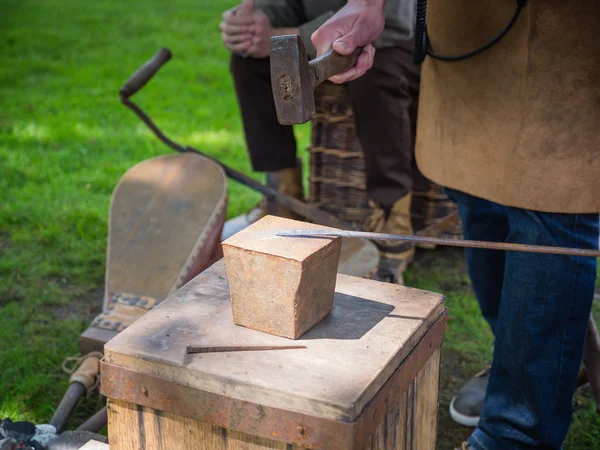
294, 78
268, 422
291, 81
310, 233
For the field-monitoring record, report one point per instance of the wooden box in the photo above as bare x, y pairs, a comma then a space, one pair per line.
367, 379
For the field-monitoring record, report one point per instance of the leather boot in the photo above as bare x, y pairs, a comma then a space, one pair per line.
394, 256
286, 181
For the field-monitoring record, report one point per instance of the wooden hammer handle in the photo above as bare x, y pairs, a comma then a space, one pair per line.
144, 73
332, 63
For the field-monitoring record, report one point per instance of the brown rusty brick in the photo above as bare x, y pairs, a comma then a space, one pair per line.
280, 285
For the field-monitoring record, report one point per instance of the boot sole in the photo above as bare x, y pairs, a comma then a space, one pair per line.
462, 419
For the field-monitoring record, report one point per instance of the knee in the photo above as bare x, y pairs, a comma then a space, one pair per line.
246, 70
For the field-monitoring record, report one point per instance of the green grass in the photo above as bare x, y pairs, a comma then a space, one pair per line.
65, 140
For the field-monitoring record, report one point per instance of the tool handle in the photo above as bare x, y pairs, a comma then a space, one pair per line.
144, 73
332, 63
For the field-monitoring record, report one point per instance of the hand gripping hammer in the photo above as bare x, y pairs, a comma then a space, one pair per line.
294, 78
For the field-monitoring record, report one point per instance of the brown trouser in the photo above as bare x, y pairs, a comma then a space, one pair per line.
384, 102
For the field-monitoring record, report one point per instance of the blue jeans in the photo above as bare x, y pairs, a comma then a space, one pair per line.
538, 307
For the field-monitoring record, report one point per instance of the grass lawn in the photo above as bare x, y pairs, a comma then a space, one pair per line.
64, 142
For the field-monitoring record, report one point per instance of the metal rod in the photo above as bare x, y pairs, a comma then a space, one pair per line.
66, 405
142, 115
199, 349
299, 207
96, 422
442, 241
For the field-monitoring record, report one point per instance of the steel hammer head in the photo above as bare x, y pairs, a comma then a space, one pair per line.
292, 80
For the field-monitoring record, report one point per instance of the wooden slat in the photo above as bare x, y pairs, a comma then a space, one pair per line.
426, 404
134, 427
411, 424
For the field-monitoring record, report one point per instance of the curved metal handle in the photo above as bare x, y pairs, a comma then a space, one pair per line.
145, 73
332, 63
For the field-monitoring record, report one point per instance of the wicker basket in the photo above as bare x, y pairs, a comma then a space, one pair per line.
337, 169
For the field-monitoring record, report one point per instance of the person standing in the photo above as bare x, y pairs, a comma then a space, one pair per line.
384, 104
512, 133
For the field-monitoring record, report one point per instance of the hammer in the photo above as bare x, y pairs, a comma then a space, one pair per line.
294, 78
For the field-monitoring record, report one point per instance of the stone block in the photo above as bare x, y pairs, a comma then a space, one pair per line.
280, 285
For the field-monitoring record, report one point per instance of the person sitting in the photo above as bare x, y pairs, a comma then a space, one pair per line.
384, 103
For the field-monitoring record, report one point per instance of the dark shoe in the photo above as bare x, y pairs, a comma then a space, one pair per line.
466, 406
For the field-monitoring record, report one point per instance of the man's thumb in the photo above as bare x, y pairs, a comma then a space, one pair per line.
323, 40
345, 45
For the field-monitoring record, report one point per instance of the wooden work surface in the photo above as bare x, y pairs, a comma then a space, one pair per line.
349, 356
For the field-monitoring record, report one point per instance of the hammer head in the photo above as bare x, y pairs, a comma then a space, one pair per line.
292, 80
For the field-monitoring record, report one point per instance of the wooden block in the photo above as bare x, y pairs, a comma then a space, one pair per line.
280, 285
